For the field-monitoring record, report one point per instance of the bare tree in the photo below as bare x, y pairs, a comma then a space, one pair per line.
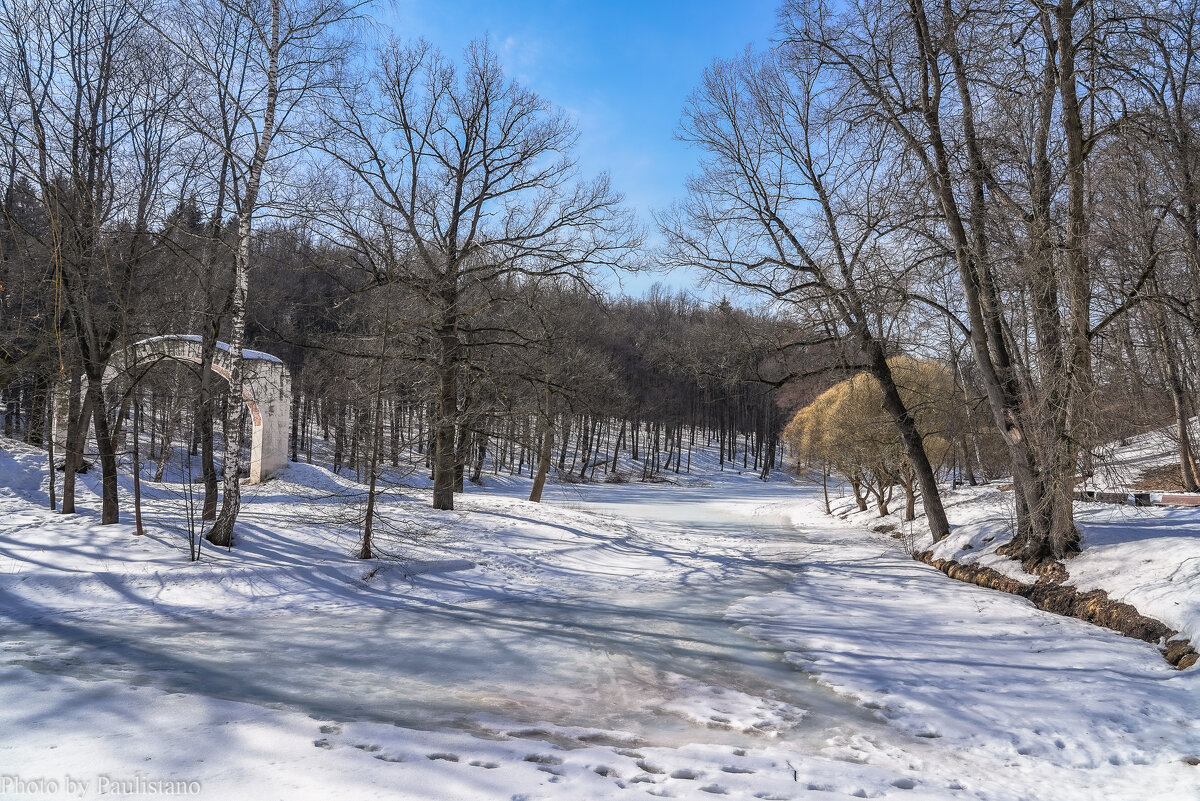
796, 201
459, 178
1158, 50
254, 65
93, 132
1012, 204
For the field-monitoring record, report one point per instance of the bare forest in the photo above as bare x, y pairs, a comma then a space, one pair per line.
1004, 195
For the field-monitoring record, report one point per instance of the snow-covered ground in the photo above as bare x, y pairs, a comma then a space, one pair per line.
1120, 465
718, 638
1148, 557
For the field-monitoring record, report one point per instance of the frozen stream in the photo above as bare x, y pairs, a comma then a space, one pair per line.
616, 652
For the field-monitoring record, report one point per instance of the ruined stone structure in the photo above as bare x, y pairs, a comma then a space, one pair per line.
267, 394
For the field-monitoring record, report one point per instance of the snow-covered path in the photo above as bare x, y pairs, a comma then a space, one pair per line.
677, 641
609, 621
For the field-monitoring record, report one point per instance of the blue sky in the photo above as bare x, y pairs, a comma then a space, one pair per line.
623, 69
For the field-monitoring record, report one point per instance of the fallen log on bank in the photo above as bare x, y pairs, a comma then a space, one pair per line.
1093, 606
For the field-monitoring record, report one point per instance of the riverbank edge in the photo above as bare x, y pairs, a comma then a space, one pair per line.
1093, 606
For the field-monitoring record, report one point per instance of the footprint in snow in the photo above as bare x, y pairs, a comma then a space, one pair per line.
607, 739
440, 755
543, 759
684, 773
529, 734
648, 767
904, 784
735, 769
715, 789
331, 729
479, 763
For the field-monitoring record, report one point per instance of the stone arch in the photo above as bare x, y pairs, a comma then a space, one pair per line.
267, 393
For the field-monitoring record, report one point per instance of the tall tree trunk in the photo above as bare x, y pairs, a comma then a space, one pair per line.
339, 437
294, 436
617, 447
1170, 360
221, 532
366, 548
461, 454
168, 432
480, 458
394, 439
825, 486
50, 411
447, 406
94, 400
545, 451
208, 469
969, 238
910, 437
137, 467
39, 395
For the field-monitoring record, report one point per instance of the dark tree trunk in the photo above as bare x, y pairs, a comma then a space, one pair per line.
461, 451
208, 466
109, 509
50, 450
914, 444
39, 396
295, 433
545, 451
77, 428
137, 468
447, 414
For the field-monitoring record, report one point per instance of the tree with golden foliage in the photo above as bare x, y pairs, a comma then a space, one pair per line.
846, 430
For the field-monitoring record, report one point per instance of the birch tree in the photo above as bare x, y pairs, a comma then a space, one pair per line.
255, 65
